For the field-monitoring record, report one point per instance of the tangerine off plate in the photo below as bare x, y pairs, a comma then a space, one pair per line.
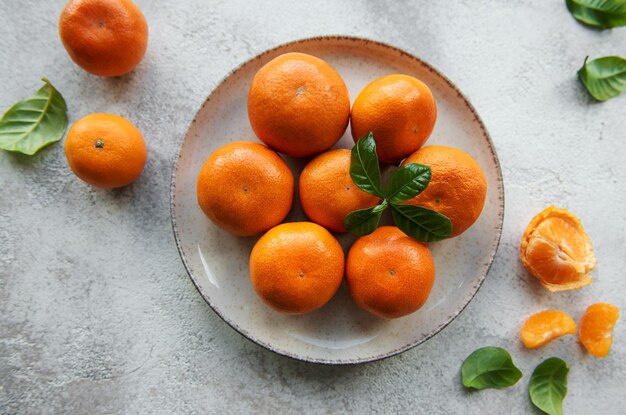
338, 333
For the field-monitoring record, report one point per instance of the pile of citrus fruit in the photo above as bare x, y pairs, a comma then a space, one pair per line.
298, 105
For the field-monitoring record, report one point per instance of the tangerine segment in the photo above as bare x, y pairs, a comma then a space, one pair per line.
596, 328
296, 267
557, 251
545, 326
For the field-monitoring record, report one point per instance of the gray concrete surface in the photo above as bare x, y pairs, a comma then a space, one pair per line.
97, 313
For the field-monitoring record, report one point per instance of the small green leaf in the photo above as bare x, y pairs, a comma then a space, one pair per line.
364, 221
35, 122
605, 77
548, 386
420, 223
604, 14
489, 367
407, 182
364, 168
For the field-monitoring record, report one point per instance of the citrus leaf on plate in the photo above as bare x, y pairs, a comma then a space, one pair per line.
489, 367
548, 385
407, 182
364, 168
604, 14
422, 224
605, 77
364, 221
34, 122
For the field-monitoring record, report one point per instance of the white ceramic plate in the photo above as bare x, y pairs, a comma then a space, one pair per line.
339, 333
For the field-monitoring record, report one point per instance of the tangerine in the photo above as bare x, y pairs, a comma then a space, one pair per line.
296, 267
457, 189
327, 192
105, 150
389, 274
556, 250
245, 188
401, 112
104, 37
298, 105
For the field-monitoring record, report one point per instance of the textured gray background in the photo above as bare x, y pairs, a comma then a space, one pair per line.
97, 313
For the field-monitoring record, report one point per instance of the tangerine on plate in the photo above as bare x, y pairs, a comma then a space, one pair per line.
105, 150
556, 250
104, 37
296, 267
327, 192
245, 188
388, 273
457, 189
298, 105
401, 112
596, 328
543, 327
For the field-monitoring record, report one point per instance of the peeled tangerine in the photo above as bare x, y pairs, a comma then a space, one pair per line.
596, 328
557, 251
545, 326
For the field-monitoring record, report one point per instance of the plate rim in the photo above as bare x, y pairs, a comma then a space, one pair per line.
343, 361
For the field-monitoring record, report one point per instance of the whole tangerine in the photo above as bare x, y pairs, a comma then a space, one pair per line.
327, 192
457, 189
105, 150
104, 37
296, 267
401, 112
298, 105
389, 274
245, 188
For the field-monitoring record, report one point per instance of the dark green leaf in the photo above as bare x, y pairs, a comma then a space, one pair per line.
605, 77
420, 223
604, 14
34, 122
548, 386
364, 168
407, 182
489, 367
364, 221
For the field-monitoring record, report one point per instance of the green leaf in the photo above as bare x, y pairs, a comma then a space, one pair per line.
605, 77
489, 367
604, 14
548, 386
364, 168
420, 223
407, 182
364, 221
35, 122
